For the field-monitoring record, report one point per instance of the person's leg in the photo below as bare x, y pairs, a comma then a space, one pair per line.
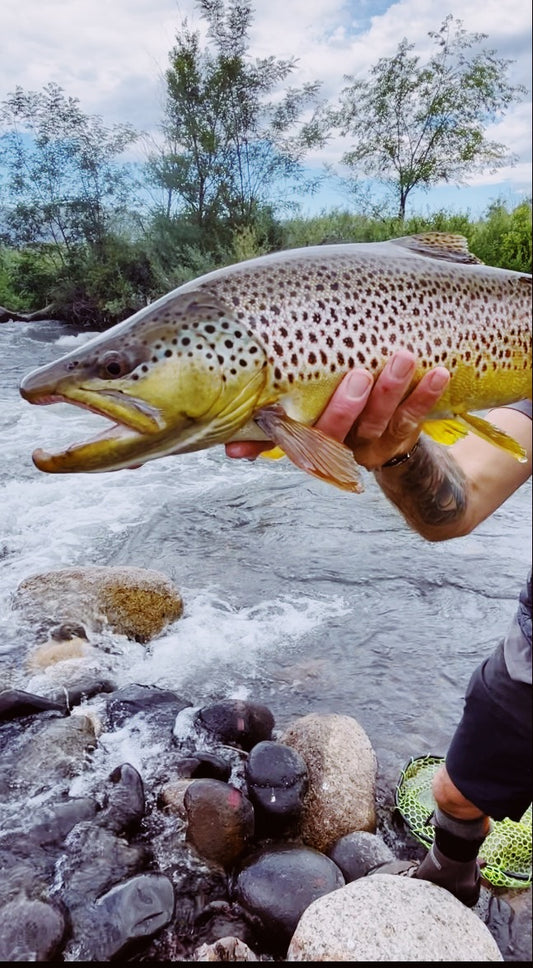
487, 774
460, 829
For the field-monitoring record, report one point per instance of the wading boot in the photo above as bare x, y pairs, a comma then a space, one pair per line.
452, 861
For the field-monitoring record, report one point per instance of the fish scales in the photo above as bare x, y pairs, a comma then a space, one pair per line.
317, 318
255, 350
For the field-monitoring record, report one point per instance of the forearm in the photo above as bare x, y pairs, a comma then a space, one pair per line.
431, 491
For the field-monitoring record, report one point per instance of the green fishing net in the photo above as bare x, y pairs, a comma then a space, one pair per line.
506, 852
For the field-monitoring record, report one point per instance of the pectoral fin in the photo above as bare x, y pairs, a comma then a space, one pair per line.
310, 449
448, 431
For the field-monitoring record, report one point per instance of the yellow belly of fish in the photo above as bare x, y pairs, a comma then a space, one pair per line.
451, 419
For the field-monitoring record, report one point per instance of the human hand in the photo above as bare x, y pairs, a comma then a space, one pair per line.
374, 419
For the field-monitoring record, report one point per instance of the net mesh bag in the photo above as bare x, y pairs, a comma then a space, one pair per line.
506, 852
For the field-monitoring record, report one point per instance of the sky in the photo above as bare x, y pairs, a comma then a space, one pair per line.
112, 55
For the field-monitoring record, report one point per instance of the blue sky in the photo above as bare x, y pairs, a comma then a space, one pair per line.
112, 54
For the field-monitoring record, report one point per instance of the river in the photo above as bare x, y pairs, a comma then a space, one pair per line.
296, 594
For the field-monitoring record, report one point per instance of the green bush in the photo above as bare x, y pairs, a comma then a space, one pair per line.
101, 285
503, 238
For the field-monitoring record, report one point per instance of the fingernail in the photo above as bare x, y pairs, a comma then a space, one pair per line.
358, 384
401, 366
438, 379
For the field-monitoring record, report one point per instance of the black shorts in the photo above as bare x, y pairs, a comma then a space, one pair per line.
490, 756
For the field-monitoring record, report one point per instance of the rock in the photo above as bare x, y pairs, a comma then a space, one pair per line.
53, 823
30, 930
276, 779
56, 752
357, 853
15, 702
203, 764
151, 701
222, 920
136, 602
82, 689
95, 860
389, 918
125, 802
342, 777
278, 884
238, 722
225, 949
135, 909
171, 797
52, 652
220, 820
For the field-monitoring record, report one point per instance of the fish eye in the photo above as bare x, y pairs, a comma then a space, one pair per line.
113, 365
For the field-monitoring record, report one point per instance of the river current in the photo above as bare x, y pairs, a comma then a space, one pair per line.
295, 594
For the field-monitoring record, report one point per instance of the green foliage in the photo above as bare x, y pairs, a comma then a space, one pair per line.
416, 124
27, 279
101, 290
343, 226
504, 238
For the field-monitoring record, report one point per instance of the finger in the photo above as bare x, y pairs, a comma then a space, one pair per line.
247, 449
389, 391
420, 402
346, 404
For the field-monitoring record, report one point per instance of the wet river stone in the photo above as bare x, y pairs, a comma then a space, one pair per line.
136, 602
160, 706
276, 778
15, 703
278, 884
124, 807
359, 852
30, 930
238, 722
132, 910
220, 820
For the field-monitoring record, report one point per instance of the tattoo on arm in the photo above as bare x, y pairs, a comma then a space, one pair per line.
430, 489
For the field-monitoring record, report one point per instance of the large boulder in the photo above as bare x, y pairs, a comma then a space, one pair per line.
342, 768
136, 602
389, 918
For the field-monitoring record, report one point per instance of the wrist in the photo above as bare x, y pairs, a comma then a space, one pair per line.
401, 458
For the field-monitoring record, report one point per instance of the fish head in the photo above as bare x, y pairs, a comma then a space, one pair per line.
178, 376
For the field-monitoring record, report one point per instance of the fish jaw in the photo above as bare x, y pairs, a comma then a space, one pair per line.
114, 449
177, 407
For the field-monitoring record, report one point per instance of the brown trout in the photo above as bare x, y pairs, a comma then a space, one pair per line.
255, 350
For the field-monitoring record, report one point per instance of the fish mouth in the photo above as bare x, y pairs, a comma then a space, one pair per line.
134, 421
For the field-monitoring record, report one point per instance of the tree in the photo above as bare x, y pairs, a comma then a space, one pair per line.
229, 149
63, 184
417, 124
68, 207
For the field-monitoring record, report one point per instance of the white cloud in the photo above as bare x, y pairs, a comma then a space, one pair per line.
111, 54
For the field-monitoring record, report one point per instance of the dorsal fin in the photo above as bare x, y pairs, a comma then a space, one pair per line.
439, 245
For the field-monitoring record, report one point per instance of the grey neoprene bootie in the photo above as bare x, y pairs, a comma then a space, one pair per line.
452, 860
461, 878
